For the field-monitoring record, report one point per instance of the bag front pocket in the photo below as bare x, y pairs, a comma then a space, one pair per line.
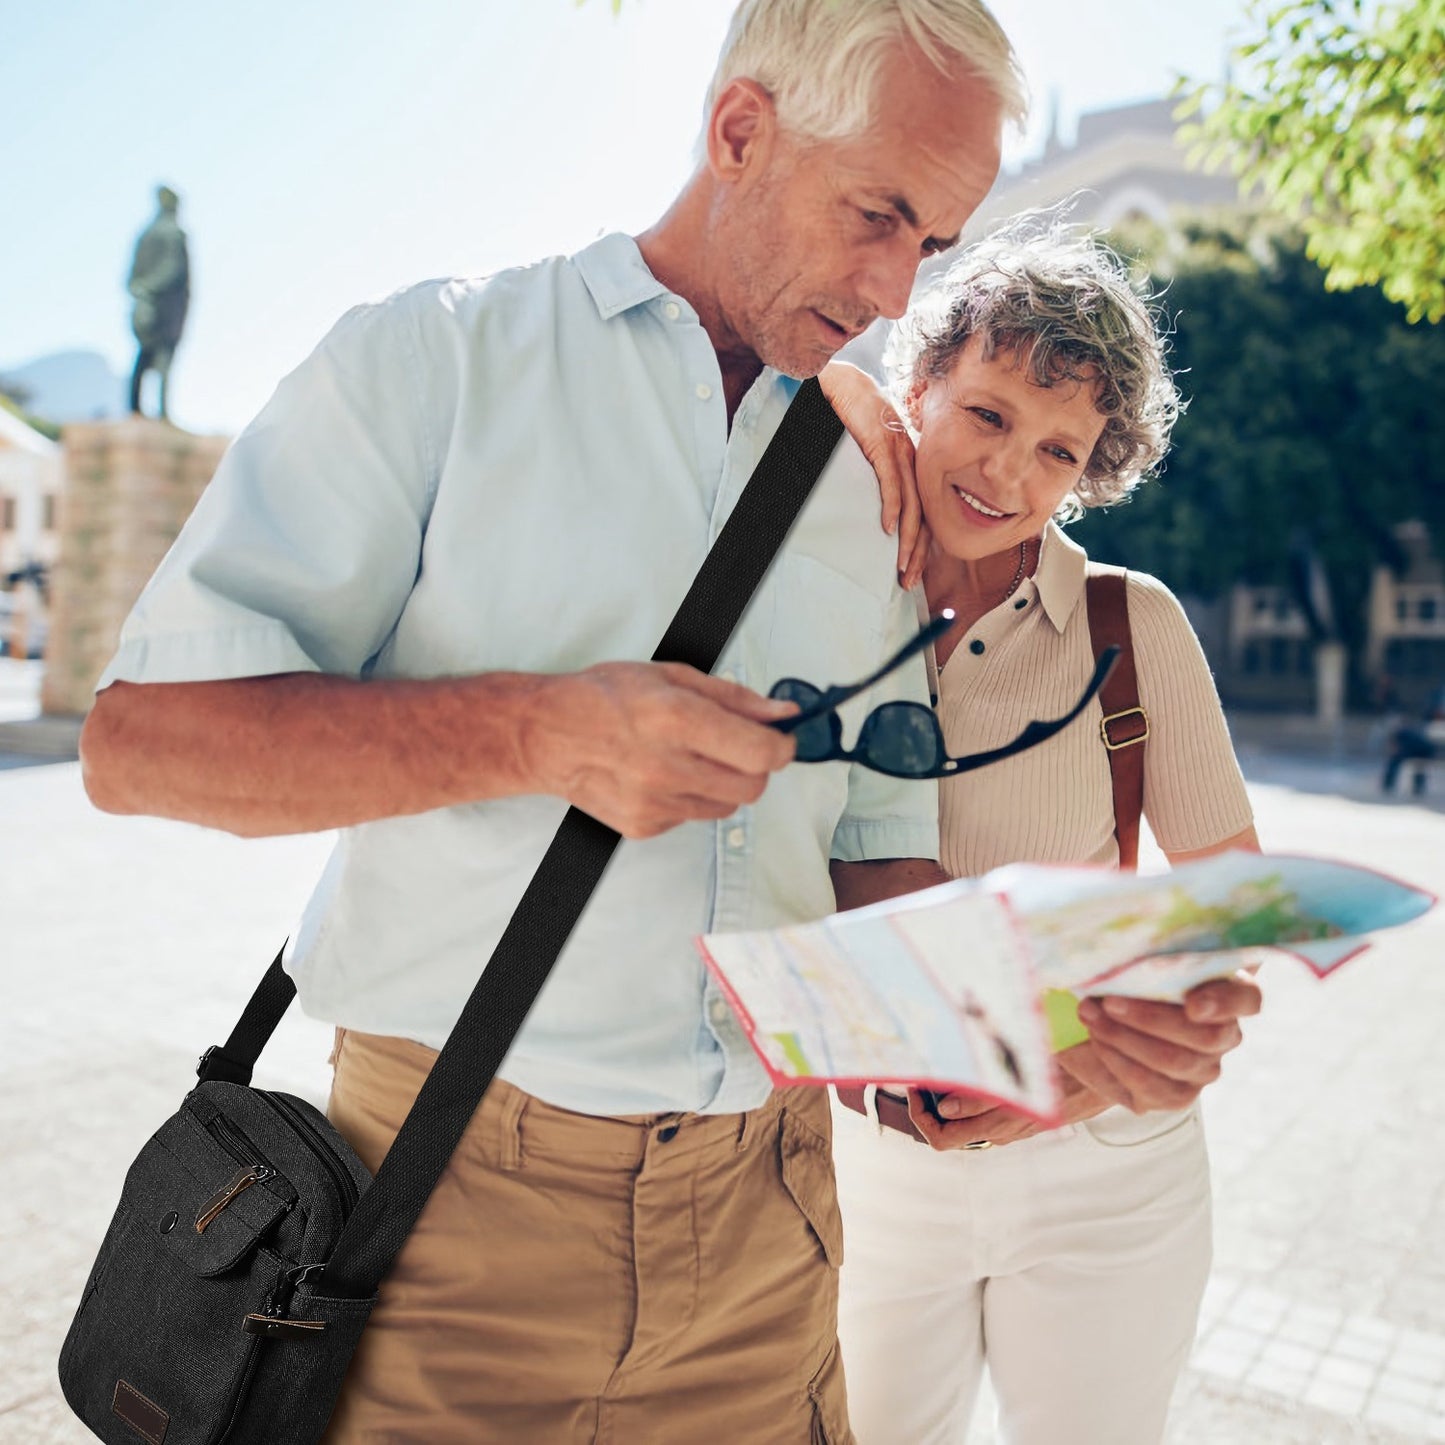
157, 1350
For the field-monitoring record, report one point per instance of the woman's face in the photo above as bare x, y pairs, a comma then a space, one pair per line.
997, 453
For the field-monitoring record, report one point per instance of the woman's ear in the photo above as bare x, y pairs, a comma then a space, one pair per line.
913, 402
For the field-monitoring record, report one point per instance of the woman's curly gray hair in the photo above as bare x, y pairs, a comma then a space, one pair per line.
1063, 302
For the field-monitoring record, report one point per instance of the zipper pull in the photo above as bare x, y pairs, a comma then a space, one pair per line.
240, 1181
285, 1329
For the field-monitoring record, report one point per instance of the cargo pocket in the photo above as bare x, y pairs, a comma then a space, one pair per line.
830, 1402
807, 1170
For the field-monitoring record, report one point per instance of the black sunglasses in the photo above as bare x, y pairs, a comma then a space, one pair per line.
903, 739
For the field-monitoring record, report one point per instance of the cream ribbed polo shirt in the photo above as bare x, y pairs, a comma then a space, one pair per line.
1030, 658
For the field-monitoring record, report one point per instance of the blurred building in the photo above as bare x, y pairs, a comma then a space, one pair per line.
1405, 655
1125, 163
30, 482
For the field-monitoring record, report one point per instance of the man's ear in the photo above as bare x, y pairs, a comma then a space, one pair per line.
741, 131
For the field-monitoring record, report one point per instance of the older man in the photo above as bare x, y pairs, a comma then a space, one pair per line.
409, 607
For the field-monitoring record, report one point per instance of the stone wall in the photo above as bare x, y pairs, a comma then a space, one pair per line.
129, 486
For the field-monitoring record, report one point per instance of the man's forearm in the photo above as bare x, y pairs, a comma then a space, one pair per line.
302, 752
856, 884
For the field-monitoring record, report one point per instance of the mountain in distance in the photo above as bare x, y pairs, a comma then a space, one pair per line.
69, 386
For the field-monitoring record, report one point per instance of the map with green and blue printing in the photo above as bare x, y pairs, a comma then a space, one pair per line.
946, 987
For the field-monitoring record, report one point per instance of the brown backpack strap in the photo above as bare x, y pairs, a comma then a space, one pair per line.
1125, 727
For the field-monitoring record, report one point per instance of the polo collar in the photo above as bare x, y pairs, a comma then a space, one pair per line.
614, 272
1060, 575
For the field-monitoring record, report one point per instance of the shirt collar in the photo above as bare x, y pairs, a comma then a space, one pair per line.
615, 273
1059, 577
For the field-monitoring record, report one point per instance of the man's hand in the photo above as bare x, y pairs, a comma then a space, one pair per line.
1148, 1055
646, 746
882, 438
969, 1119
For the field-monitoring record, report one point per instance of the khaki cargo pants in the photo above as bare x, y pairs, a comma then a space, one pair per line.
650, 1280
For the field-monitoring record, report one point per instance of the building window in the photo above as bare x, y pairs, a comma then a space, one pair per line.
1427, 609
47, 513
1416, 657
7, 514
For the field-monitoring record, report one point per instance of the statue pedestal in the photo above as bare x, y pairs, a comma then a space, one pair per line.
129, 486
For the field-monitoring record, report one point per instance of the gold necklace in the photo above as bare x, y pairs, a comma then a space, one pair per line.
1019, 574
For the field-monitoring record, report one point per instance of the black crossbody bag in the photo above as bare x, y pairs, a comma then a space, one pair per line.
245, 1255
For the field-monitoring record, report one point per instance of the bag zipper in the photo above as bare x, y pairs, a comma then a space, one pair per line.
234, 1142
317, 1143
239, 1183
253, 1170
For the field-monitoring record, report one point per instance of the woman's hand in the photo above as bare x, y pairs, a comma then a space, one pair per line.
969, 1119
881, 436
1149, 1055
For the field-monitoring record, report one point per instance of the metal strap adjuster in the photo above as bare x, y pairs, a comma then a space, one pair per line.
1134, 733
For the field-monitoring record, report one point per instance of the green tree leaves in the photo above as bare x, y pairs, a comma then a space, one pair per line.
1342, 122
1309, 409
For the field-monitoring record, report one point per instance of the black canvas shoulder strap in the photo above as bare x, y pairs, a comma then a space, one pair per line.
564, 881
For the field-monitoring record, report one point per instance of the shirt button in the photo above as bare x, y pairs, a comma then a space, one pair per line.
976, 646
1022, 602
719, 1012
704, 391
672, 310
736, 837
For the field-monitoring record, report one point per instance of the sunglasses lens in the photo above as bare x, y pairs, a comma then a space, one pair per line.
814, 738
902, 738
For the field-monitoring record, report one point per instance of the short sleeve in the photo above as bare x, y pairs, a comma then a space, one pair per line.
1194, 794
891, 817
304, 548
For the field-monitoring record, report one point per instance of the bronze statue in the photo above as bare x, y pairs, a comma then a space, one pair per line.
160, 281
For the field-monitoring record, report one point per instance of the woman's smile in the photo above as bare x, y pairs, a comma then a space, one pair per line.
978, 507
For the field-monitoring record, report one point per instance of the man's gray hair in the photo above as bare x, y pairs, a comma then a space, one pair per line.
1064, 303
821, 60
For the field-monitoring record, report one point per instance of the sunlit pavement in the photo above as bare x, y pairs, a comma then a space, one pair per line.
130, 944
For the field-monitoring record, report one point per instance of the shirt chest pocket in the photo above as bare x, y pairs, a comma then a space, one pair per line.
826, 629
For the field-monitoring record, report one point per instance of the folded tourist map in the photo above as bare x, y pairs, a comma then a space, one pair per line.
945, 988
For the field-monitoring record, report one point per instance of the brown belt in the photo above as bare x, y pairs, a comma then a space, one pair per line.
891, 1111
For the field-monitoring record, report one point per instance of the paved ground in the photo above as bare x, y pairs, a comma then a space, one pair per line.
128, 944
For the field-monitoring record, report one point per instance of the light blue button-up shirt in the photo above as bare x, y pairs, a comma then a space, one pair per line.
525, 473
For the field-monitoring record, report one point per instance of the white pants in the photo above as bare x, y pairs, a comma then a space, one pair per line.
1072, 1262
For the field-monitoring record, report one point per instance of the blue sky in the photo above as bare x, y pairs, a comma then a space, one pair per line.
328, 151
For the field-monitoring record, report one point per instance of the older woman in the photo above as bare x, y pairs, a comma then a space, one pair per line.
1070, 1260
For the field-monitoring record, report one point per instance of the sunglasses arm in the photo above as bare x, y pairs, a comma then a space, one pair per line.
835, 697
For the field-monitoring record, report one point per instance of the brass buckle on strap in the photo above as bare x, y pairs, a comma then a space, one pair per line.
1124, 742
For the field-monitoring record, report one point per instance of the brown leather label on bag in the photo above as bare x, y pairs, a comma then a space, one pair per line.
147, 1419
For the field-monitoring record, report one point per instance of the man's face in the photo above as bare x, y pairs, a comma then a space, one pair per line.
828, 236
